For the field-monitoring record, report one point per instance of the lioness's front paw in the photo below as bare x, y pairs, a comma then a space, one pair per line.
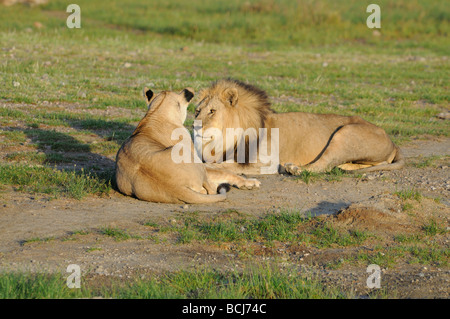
250, 183
292, 169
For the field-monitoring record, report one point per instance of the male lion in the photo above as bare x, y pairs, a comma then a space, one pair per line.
145, 167
313, 142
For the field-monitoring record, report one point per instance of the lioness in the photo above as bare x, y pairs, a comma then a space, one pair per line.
144, 164
313, 142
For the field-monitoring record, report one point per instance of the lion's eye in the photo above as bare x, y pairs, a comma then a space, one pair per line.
212, 111
196, 113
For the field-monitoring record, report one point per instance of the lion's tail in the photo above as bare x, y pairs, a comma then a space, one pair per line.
397, 163
190, 196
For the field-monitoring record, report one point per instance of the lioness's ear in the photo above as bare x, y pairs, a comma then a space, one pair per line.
188, 94
230, 95
148, 94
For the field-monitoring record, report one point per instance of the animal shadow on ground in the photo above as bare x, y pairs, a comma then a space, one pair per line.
326, 207
67, 153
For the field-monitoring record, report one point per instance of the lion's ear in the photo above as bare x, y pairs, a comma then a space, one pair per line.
188, 94
230, 95
148, 94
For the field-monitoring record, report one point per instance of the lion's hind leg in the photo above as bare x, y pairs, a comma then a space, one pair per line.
353, 166
292, 169
352, 148
358, 143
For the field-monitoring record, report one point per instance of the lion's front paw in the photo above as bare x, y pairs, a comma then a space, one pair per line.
250, 183
292, 169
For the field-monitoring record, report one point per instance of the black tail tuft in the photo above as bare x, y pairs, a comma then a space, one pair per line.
223, 188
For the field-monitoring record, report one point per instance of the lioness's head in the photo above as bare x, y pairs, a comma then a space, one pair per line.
171, 106
228, 104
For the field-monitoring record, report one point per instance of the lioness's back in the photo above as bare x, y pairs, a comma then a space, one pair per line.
144, 164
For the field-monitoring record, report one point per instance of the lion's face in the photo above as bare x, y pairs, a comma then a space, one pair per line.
213, 115
210, 112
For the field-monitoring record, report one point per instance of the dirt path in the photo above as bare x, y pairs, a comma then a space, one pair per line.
24, 217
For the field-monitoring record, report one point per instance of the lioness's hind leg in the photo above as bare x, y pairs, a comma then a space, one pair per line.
209, 187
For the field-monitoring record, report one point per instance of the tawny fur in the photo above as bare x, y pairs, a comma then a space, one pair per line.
144, 165
315, 142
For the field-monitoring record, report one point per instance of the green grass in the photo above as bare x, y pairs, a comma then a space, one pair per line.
292, 229
36, 286
53, 182
385, 258
432, 228
44, 158
14, 137
328, 236
409, 248
283, 227
260, 282
427, 162
117, 233
36, 240
409, 193
273, 226
335, 174
268, 23
402, 238
429, 255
